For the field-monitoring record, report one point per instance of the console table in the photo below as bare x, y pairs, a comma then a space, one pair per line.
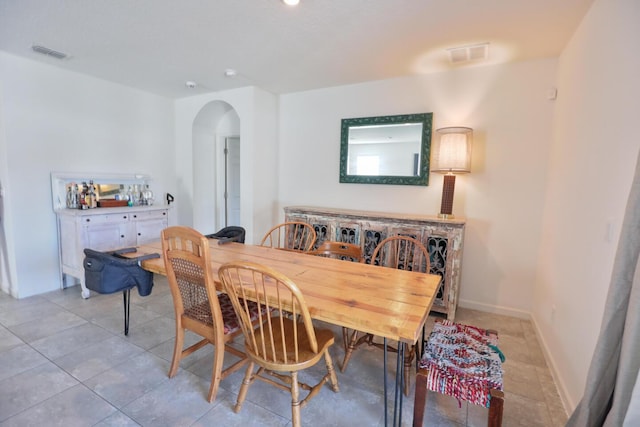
442, 237
104, 229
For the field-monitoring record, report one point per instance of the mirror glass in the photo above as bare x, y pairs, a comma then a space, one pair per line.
386, 149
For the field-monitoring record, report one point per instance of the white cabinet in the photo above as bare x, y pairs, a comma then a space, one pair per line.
443, 239
104, 229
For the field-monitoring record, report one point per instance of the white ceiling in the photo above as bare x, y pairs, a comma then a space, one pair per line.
157, 45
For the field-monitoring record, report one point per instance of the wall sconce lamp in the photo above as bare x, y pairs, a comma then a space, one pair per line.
451, 155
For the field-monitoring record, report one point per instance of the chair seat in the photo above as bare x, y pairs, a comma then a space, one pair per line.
306, 356
231, 323
463, 361
202, 313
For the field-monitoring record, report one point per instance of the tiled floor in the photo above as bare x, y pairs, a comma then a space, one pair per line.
65, 361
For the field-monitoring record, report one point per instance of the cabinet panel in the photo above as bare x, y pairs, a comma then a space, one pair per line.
437, 247
442, 238
348, 232
69, 246
372, 234
108, 237
322, 227
147, 231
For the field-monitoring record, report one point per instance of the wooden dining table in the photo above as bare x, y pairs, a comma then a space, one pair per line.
386, 302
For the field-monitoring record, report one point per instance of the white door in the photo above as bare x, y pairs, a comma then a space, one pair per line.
232, 181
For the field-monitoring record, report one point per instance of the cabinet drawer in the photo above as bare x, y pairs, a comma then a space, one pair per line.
105, 219
141, 216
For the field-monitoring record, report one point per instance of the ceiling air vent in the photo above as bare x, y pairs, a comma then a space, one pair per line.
50, 52
476, 52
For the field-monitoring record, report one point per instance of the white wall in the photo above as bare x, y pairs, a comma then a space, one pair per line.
7, 265
511, 116
257, 111
590, 171
215, 121
55, 120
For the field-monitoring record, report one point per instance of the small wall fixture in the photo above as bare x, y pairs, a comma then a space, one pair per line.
451, 154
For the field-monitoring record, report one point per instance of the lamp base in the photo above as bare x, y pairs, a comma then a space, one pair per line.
446, 216
448, 187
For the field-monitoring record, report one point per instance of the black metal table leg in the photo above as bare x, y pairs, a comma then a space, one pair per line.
399, 391
397, 404
384, 372
126, 296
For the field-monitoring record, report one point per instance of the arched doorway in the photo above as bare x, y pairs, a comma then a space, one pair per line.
216, 167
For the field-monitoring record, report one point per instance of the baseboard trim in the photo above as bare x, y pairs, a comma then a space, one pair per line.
553, 369
495, 309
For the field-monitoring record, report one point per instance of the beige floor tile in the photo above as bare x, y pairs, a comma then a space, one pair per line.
123, 380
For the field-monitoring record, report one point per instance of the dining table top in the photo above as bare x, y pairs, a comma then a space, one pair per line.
382, 301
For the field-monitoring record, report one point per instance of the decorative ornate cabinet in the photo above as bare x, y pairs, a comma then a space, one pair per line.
104, 229
443, 239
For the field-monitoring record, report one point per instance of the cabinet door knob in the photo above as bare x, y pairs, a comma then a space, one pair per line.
135, 216
122, 236
139, 234
124, 217
88, 220
164, 213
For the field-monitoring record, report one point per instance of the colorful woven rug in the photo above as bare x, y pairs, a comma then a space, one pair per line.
463, 361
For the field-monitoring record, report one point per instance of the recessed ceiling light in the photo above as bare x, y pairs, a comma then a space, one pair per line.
190, 84
230, 72
291, 2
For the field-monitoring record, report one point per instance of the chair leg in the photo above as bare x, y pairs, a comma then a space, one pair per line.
332, 372
295, 400
353, 343
216, 373
409, 354
420, 397
246, 382
495, 408
349, 346
177, 350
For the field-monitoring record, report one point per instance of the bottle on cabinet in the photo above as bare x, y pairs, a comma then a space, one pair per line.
72, 196
83, 196
147, 196
93, 197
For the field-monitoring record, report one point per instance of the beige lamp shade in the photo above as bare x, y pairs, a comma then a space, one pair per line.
451, 152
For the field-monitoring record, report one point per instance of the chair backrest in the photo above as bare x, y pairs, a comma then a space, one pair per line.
291, 236
339, 250
403, 253
186, 259
275, 340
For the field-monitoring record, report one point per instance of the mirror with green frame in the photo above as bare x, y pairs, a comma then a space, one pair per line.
386, 149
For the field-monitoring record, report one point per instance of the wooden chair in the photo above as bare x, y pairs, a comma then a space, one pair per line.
197, 306
345, 251
290, 236
400, 252
279, 345
339, 250
464, 362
